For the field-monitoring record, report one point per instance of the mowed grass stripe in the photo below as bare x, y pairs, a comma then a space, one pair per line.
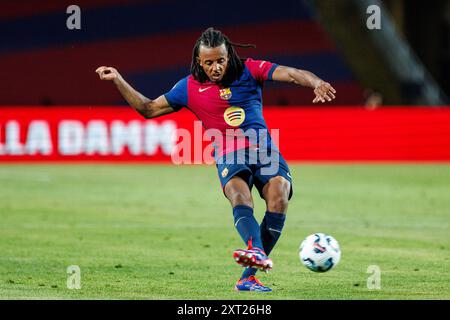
166, 232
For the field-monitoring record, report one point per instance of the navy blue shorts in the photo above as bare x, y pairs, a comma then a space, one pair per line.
254, 168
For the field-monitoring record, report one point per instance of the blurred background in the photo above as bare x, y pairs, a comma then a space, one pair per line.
406, 62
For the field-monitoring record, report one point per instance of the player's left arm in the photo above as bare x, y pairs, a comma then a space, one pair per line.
323, 90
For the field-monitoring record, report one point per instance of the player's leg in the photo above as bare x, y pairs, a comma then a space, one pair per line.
276, 190
275, 187
238, 193
237, 181
276, 194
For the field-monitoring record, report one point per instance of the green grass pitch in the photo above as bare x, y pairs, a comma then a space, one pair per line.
166, 232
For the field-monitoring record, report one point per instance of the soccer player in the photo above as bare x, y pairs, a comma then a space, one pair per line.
224, 92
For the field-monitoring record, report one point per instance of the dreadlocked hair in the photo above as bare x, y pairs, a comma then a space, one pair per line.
212, 38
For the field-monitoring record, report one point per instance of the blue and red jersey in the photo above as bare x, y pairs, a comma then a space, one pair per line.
236, 106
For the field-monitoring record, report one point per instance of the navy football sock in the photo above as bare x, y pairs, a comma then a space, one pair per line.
247, 226
271, 228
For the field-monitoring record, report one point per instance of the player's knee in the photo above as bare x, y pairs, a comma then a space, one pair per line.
241, 198
278, 194
278, 204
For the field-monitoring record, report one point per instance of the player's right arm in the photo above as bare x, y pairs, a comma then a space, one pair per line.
146, 107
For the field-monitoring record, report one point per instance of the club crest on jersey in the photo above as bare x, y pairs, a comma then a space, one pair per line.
225, 94
224, 172
234, 116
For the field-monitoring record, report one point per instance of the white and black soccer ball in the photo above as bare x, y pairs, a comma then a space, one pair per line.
320, 252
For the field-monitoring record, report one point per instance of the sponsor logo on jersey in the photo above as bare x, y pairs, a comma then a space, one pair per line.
225, 94
234, 116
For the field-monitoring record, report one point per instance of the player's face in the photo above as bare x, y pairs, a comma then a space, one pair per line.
214, 61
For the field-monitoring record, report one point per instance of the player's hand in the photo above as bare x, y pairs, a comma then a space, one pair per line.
108, 73
324, 92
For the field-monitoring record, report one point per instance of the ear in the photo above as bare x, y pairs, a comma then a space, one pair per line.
199, 61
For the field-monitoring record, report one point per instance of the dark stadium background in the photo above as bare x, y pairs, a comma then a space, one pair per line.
150, 42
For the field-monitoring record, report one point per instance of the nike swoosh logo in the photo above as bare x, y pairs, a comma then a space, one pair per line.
203, 89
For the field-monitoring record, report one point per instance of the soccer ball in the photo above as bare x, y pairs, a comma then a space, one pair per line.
320, 252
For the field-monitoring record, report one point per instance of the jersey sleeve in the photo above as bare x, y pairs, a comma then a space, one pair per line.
261, 70
178, 95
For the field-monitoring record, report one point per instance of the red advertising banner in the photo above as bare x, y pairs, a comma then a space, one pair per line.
325, 134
